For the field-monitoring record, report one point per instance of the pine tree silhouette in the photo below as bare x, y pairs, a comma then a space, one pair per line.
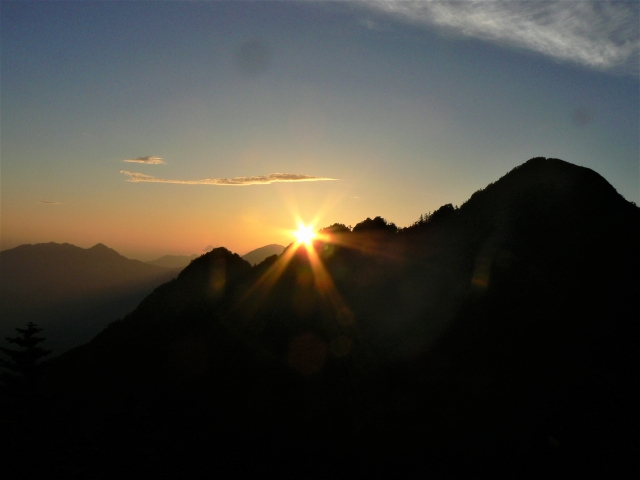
22, 364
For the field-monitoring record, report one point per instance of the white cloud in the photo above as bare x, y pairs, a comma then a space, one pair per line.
259, 180
149, 160
594, 33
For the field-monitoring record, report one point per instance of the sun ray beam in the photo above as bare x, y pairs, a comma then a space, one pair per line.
307, 239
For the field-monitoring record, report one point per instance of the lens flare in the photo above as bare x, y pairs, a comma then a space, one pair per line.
316, 276
304, 234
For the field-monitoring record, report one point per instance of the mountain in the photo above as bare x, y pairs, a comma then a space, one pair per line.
173, 261
253, 257
259, 254
71, 292
497, 338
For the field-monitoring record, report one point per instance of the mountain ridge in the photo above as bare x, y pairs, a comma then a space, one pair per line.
71, 291
259, 254
472, 332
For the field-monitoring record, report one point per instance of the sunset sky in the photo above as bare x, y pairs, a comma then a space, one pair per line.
170, 127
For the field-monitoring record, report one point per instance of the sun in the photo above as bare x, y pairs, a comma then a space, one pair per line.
304, 234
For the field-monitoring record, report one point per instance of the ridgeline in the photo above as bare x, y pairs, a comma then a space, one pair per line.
497, 337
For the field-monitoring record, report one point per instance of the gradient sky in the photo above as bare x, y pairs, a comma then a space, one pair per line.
169, 127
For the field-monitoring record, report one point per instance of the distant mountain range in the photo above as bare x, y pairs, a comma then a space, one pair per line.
72, 292
173, 261
259, 254
494, 339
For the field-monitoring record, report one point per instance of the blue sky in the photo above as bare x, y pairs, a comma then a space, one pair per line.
364, 108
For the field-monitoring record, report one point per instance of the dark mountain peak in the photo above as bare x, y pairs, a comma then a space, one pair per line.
548, 186
217, 262
553, 215
546, 175
558, 171
100, 249
204, 282
216, 253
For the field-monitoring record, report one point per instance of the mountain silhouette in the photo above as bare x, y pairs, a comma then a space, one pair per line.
259, 254
494, 338
173, 261
70, 291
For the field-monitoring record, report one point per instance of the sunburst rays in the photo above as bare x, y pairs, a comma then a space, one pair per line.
308, 241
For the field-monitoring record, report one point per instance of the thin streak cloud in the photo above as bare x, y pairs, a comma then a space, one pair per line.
149, 160
371, 25
236, 181
596, 34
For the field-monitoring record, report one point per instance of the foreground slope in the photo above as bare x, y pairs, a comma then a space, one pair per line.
497, 337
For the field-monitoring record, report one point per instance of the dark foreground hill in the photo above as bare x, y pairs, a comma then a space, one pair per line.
73, 292
498, 338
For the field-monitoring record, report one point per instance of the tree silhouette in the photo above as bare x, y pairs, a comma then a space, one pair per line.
444, 212
378, 224
336, 228
23, 363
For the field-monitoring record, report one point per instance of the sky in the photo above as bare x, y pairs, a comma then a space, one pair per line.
171, 127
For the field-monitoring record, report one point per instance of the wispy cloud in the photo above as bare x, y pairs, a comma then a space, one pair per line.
593, 33
372, 25
49, 203
237, 181
149, 160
